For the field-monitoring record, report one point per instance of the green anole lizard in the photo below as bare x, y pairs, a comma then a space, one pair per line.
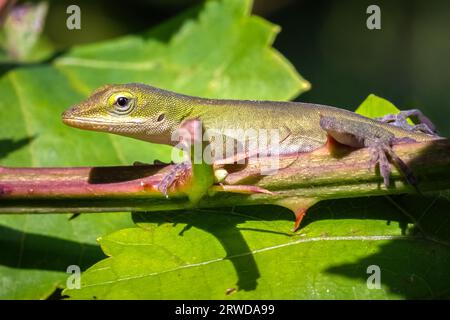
151, 114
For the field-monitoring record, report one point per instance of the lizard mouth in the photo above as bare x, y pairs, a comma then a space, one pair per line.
93, 124
76, 122
88, 124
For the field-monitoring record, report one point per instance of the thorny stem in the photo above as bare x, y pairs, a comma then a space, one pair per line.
317, 174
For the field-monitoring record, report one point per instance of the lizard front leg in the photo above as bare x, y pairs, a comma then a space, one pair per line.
377, 139
203, 173
180, 172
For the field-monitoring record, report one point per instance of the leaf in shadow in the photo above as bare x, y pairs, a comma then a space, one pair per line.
410, 268
230, 237
44, 252
415, 267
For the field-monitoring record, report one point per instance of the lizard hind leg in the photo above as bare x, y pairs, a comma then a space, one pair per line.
379, 141
378, 156
401, 166
381, 152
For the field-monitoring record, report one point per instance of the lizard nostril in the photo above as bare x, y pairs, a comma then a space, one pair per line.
66, 114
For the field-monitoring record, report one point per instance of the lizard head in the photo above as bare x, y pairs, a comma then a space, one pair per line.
133, 110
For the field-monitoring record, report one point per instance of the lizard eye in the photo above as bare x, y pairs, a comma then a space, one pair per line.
122, 103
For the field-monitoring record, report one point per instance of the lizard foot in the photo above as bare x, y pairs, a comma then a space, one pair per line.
380, 152
400, 120
178, 173
379, 141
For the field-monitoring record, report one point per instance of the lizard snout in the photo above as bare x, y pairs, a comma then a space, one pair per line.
71, 116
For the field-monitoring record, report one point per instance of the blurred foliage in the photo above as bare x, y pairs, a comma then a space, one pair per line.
405, 62
20, 36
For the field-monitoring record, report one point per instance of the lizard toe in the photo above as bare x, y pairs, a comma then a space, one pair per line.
401, 120
378, 157
383, 155
176, 175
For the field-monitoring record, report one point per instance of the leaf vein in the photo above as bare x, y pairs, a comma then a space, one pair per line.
315, 239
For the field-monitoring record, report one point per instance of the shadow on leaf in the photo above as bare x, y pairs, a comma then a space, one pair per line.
412, 263
415, 267
9, 145
44, 252
224, 230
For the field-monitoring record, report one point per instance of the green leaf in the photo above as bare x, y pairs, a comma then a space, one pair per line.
249, 253
216, 50
37, 249
223, 53
374, 107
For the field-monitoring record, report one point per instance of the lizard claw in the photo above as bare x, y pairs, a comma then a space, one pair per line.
177, 174
378, 156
